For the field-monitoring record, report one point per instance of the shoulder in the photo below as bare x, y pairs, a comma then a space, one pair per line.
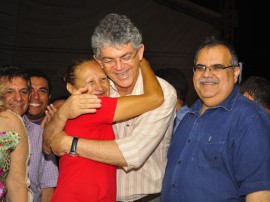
247, 106
10, 115
10, 118
250, 113
167, 88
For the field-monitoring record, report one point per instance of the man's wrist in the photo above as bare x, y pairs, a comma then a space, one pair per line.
73, 147
67, 143
61, 117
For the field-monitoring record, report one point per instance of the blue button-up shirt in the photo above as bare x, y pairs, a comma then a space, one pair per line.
221, 155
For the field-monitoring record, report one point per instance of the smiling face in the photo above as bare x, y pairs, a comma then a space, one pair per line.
215, 87
90, 74
16, 94
39, 98
123, 68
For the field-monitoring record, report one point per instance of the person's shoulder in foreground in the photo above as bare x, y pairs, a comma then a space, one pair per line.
221, 149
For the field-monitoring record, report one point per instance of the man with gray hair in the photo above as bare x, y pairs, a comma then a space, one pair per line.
140, 148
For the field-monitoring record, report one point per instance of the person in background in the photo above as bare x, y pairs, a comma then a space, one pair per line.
43, 171
257, 89
40, 96
100, 183
179, 81
14, 155
221, 148
140, 148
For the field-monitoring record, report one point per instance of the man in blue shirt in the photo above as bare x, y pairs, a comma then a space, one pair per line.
220, 151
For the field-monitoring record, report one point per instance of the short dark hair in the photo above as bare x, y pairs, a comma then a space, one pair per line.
12, 71
212, 41
40, 74
177, 79
258, 88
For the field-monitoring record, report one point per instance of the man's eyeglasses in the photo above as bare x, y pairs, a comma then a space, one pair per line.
213, 68
110, 62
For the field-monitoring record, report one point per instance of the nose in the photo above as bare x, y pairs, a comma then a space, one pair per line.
17, 96
34, 94
118, 64
98, 86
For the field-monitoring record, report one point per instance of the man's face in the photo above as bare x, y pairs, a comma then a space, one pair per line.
16, 95
214, 86
39, 98
121, 64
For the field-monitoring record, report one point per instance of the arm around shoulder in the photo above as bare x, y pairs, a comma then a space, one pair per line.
135, 105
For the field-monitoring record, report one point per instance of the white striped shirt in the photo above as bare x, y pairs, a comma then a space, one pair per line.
144, 142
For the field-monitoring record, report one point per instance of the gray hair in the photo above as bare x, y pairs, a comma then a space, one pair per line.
115, 30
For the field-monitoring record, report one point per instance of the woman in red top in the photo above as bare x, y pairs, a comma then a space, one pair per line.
82, 179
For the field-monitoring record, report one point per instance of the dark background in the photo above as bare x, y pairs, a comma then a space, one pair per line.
49, 34
250, 35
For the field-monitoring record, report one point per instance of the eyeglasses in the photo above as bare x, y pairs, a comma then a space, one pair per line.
213, 68
110, 62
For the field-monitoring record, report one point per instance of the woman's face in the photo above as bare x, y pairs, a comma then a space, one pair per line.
91, 74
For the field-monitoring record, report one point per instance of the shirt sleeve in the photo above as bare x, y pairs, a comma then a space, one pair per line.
50, 171
252, 155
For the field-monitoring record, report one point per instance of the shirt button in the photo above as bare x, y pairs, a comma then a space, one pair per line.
179, 162
173, 185
188, 141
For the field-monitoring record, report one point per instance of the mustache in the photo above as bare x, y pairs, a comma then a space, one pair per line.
207, 80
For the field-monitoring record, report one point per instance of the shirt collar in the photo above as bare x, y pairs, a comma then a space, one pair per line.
226, 104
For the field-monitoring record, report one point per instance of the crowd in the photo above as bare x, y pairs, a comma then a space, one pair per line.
124, 134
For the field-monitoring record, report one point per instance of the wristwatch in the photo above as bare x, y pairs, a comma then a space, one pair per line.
73, 148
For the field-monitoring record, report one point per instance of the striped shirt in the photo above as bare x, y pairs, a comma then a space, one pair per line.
43, 170
144, 142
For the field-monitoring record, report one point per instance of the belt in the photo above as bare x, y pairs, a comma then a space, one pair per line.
148, 197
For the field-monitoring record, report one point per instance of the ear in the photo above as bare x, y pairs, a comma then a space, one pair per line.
236, 72
246, 94
99, 62
70, 88
140, 52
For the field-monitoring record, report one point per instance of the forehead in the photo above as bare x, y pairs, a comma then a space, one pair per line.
39, 81
115, 51
215, 55
89, 68
15, 82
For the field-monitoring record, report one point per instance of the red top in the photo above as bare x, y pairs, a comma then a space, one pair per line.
82, 179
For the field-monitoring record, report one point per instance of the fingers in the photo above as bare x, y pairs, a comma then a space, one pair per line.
48, 115
81, 90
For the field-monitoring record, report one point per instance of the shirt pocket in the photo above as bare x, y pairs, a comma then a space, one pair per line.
208, 150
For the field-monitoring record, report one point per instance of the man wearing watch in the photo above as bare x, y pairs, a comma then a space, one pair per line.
73, 148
